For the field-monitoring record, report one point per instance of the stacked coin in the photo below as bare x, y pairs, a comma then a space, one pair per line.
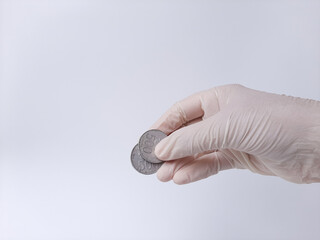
143, 158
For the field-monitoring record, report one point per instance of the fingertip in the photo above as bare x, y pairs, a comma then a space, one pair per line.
181, 178
163, 175
159, 150
163, 178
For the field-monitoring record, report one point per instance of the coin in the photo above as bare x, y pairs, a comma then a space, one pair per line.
147, 144
141, 165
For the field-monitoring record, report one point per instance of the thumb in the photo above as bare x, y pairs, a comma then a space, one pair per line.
207, 135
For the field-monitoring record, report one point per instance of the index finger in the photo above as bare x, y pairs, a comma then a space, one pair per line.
187, 110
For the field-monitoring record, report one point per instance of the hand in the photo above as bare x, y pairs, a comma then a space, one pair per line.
235, 127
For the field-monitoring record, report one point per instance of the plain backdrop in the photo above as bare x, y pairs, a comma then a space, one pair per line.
82, 80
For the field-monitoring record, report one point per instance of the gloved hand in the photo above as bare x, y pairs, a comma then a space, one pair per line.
235, 127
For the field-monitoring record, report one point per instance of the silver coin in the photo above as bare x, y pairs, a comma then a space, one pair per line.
141, 165
147, 144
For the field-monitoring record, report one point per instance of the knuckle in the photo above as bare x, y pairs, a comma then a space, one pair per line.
177, 111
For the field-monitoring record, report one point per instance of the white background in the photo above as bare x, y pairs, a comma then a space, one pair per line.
82, 80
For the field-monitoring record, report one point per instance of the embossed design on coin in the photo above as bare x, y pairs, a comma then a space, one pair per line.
147, 144
141, 165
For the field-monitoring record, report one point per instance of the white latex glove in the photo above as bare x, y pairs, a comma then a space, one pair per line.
235, 127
